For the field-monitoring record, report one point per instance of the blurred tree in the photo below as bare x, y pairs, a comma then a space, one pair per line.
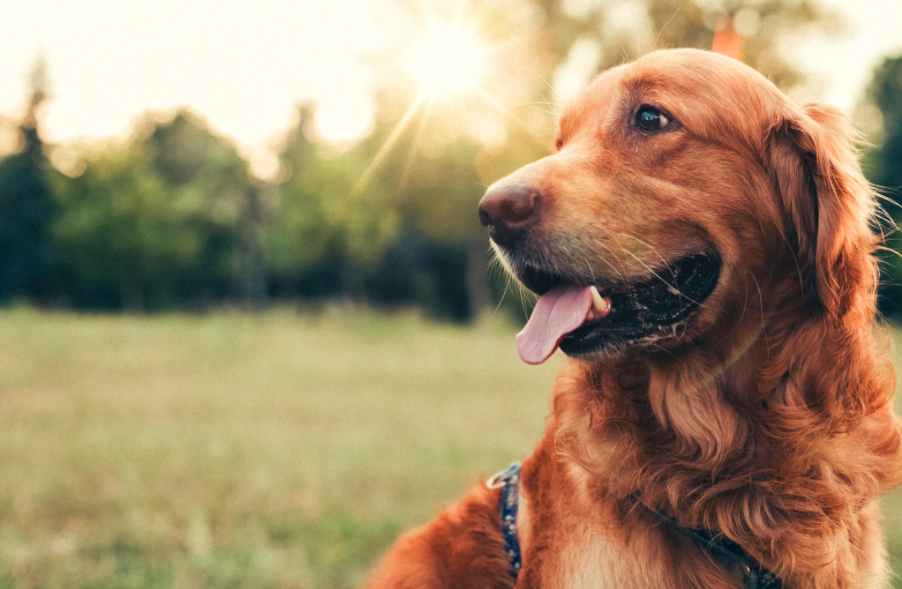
124, 238
423, 172
207, 170
169, 219
884, 93
328, 231
26, 205
619, 31
176, 217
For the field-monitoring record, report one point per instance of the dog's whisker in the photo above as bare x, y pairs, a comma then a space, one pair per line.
549, 108
620, 273
883, 217
495, 267
889, 251
509, 114
670, 353
591, 271
647, 267
661, 32
763, 317
653, 250
601, 227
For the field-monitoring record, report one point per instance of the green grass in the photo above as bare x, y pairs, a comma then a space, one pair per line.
242, 451
279, 450
892, 503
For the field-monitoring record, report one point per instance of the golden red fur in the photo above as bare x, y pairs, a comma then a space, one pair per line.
764, 415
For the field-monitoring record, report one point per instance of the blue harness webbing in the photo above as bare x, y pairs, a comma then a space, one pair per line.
509, 483
756, 576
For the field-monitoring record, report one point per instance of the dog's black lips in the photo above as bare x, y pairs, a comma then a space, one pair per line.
641, 310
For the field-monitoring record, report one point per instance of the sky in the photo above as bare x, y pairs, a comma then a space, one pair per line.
245, 64
844, 65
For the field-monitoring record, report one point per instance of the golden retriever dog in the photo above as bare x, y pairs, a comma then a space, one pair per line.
703, 253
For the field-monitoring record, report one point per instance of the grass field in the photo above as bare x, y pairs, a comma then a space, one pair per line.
279, 450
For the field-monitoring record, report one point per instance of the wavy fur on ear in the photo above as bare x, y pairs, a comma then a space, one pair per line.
827, 203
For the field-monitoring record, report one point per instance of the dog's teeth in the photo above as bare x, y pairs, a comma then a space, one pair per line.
601, 305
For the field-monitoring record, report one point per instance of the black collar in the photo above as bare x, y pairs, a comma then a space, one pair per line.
722, 548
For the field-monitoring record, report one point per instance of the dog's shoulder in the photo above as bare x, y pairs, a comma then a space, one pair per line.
462, 548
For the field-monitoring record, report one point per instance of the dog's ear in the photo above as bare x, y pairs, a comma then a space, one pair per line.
826, 202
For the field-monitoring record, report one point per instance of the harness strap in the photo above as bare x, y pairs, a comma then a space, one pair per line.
756, 575
509, 483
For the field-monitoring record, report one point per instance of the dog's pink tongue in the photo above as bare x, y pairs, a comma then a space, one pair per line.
558, 312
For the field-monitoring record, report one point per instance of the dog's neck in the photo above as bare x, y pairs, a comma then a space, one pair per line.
739, 440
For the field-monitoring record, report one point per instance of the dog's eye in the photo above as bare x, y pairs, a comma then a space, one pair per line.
559, 144
651, 119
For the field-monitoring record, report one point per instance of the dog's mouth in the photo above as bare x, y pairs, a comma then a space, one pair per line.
585, 319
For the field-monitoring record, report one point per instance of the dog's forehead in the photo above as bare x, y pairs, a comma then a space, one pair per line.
672, 73
691, 84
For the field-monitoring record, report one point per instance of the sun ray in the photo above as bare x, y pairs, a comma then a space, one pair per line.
388, 144
446, 60
418, 136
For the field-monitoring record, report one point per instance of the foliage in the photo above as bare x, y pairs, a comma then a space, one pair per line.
123, 237
173, 216
155, 223
885, 171
326, 229
622, 33
26, 206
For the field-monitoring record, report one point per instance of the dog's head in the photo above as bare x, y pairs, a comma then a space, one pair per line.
686, 192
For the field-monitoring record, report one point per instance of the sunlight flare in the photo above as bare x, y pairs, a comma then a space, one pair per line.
445, 59
345, 119
386, 147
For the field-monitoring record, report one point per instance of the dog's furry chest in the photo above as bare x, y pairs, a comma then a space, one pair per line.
592, 561
577, 541
589, 549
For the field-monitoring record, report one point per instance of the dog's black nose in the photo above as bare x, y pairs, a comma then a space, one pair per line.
507, 210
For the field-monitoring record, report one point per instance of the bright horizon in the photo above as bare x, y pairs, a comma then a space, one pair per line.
246, 67
243, 68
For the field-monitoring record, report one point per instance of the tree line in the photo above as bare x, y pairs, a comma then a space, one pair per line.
174, 218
